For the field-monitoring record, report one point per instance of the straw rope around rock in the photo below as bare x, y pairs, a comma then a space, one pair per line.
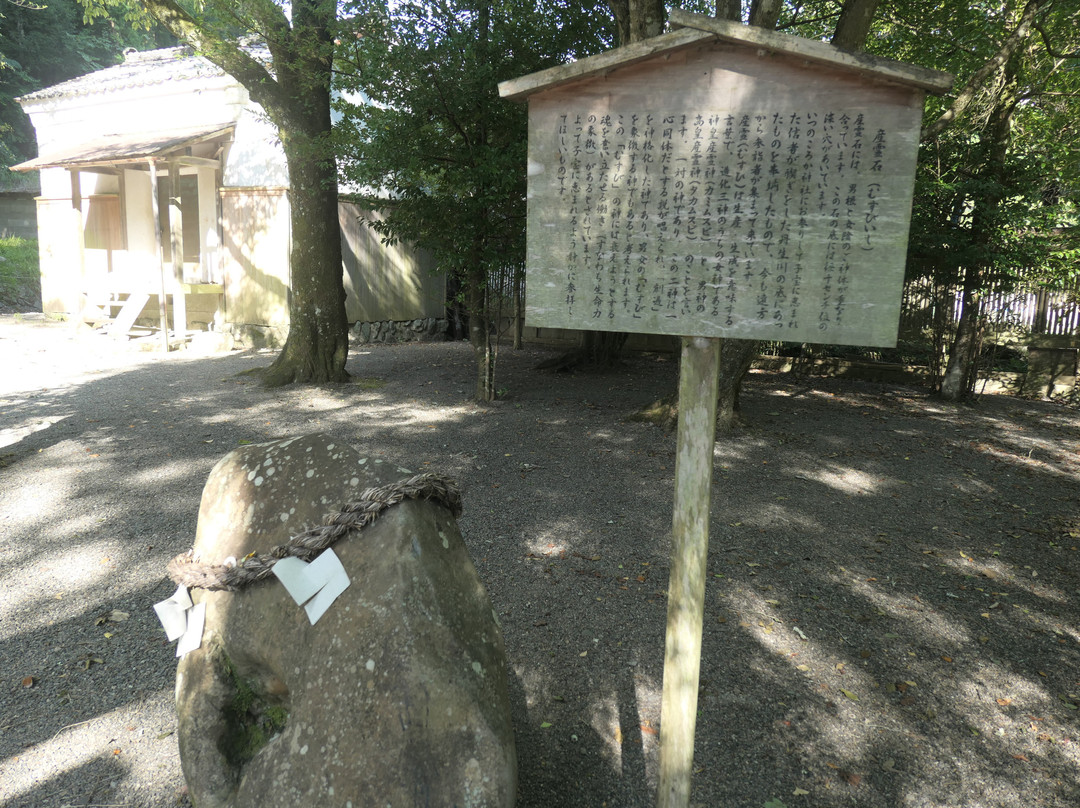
189, 571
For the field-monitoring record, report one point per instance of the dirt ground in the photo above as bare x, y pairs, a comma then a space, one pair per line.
892, 611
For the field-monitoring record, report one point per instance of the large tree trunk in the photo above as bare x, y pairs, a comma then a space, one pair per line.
765, 13
318, 342
729, 10
637, 19
295, 94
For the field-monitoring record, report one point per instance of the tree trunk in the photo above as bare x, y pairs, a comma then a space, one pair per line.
647, 18
480, 336
765, 13
735, 358
854, 24
729, 10
318, 342
602, 348
958, 381
295, 95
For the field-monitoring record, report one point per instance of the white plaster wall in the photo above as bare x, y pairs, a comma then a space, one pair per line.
141, 250
56, 184
209, 236
255, 159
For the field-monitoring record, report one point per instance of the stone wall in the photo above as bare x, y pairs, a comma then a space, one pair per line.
18, 216
428, 329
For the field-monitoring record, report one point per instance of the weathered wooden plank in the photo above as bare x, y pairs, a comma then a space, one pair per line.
699, 374
698, 28
932, 81
520, 88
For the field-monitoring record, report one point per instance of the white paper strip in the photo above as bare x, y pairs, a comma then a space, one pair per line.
172, 613
317, 584
192, 639
294, 576
336, 581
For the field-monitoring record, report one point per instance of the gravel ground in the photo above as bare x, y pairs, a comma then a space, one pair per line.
892, 610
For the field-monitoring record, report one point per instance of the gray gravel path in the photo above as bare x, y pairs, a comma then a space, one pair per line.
892, 613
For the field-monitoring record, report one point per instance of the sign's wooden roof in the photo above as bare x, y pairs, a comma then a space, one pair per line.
697, 28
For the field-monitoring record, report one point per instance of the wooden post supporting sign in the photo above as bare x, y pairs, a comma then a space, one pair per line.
699, 375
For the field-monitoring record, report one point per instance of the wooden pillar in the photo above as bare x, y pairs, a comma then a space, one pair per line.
154, 212
78, 224
176, 237
699, 375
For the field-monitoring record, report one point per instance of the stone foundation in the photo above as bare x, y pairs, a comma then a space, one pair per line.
428, 329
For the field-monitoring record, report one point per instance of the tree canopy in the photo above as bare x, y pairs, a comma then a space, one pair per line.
427, 137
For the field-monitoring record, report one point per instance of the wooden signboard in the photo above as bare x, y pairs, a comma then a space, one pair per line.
719, 189
718, 181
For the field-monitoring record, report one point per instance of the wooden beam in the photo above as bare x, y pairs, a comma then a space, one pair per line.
154, 213
697, 28
198, 162
176, 239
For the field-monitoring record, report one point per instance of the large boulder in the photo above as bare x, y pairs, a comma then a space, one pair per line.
396, 697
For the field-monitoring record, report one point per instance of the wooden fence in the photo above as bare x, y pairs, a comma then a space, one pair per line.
1021, 310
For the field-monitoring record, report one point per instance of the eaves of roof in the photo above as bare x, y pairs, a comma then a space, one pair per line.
138, 70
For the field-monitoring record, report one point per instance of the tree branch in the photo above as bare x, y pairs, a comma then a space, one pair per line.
225, 54
1050, 48
994, 65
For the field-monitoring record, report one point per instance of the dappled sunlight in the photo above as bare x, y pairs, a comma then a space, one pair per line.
999, 574
77, 746
647, 691
112, 745
33, 423
844, 733
56, 591
552, 542
603, 717
169, 470
937, 629
844, 480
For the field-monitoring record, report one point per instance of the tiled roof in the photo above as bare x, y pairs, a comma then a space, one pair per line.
139, 69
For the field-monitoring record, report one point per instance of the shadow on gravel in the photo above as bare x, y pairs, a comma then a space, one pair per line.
891, 613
